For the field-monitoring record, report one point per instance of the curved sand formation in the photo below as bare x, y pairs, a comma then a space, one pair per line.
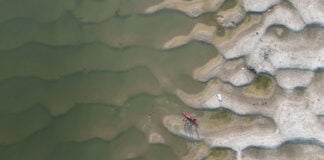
267, 51
290, 54
295, 116
192, 8
228, 136
231, 98
200, 32
233, 71
237, 47
310, 10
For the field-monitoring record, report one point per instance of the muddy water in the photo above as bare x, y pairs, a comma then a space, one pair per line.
86, 79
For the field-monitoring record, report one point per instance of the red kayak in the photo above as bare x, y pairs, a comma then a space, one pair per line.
190, 118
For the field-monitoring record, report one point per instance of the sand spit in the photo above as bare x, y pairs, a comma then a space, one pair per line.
266, 52
227, 135
192, 8
293, 114
231, 99
237, 45
233, 71
289, 54
200, 32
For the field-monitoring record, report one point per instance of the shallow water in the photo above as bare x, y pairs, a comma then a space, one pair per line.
87, 79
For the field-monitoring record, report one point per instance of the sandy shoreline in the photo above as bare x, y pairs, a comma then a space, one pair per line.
290, 55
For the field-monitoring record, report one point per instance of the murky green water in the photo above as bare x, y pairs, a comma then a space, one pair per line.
86, 79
